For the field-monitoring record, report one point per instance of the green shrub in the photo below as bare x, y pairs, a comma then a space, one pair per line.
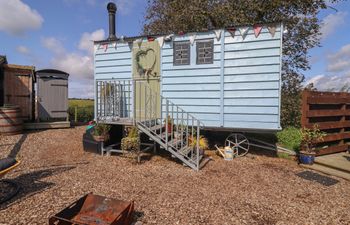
290, 138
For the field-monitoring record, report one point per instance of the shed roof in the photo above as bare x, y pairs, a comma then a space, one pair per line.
52, 73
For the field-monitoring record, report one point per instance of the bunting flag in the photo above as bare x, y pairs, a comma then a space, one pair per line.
169, 37
105, 47
150, 39
115, 45
257, 29
243, 31
232, 31
122, 38
138, 42
217, 34
160, 41
96, 47
192, 38
272, 29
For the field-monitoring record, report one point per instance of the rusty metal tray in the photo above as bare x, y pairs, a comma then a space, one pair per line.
95, 210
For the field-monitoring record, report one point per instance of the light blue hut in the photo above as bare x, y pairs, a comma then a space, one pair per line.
218, 79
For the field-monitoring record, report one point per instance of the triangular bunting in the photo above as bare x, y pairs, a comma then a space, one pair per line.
105, 47
115, 45
169, 37
243, 31
138, 42
218, 34
232, 31
272, 29
192, 38
160, 41
150, 39
257, 29
96, 48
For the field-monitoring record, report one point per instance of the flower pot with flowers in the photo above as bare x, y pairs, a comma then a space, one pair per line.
309, 139
101, 132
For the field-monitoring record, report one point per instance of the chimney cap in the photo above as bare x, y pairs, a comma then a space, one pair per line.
111, 7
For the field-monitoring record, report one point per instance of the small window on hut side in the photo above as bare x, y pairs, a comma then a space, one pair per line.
181, 53
205, 52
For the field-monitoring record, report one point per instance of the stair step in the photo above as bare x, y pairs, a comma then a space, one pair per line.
174, 142
185, 150
156, 127
164, 134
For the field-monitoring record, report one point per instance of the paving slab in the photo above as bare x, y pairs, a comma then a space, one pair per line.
339, 161
328, 170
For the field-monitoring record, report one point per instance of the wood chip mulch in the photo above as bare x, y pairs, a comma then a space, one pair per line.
257, 189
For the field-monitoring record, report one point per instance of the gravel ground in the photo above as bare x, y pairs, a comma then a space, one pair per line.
255, 189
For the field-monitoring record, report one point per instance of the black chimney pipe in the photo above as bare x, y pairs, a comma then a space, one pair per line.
112, 9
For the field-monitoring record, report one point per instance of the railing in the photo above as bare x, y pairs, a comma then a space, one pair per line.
177, 129
165, 122
113, 99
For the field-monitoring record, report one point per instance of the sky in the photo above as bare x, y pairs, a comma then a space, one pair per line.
58, 34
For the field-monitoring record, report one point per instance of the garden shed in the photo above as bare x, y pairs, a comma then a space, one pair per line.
18, 89
52, 94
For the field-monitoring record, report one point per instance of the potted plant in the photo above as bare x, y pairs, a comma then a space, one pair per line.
170, 122
203, 144
101, 132
131, 143
309, 137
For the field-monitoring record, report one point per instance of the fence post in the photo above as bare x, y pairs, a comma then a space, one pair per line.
76, 114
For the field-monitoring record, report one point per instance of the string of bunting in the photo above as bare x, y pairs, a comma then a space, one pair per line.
257, 28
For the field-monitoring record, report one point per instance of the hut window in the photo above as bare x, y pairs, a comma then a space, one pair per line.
181, 53
205, 52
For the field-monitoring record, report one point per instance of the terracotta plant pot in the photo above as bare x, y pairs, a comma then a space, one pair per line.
170, 128
307, 157
101, 138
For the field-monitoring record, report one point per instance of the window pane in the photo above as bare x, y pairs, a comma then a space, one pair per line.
181, 53
205, 52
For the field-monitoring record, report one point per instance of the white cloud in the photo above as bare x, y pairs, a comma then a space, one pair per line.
86, 43
331, 22
339, 61
53, 44
81, 89
16, 17
329, 83
78, 63
23, 50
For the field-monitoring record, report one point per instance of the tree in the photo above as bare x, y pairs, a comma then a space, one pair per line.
299, 18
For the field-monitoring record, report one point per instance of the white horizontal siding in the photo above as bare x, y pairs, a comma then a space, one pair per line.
250, 74
113, 63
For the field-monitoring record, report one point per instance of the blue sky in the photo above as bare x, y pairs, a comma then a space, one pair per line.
58, 34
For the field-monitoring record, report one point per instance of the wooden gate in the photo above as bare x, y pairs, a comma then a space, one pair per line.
19, 89
331, 112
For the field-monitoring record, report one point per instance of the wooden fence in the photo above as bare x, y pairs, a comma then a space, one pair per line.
331, 111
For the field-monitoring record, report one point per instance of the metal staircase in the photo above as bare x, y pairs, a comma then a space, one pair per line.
171, 127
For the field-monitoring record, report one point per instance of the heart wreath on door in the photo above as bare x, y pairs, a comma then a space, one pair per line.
146, 60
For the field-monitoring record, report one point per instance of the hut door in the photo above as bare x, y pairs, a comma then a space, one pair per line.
146, 74
52, 98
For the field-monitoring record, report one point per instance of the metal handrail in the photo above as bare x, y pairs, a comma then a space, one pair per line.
181, 127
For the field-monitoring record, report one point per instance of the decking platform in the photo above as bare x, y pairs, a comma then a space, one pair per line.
46, 125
